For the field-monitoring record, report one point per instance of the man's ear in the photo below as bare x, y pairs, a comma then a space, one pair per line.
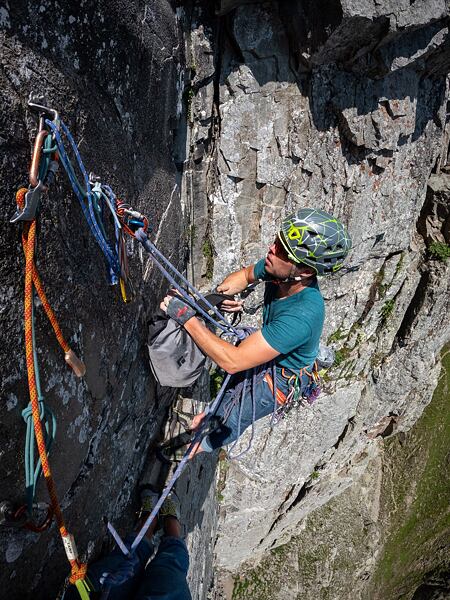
309, 271
304, 272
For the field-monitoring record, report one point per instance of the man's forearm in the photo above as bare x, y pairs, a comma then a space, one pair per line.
221, 352
237, 282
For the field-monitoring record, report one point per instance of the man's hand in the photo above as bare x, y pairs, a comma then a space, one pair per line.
237, 282
231, 306
125, 567
177, 309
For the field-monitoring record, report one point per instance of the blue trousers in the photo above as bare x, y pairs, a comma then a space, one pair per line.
164, 578
235, 417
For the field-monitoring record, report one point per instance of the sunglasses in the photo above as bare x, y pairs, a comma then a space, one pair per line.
280, 250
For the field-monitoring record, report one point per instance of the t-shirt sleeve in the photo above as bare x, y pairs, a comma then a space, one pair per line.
260, 271
287, 332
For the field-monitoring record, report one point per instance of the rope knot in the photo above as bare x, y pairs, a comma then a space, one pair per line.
79, 571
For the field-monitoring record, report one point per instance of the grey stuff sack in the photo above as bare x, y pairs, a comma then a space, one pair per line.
174, 358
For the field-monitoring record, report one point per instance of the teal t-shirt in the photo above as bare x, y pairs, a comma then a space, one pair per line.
292, 325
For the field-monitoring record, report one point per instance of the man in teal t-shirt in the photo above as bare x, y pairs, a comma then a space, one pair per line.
310, 242
292, 324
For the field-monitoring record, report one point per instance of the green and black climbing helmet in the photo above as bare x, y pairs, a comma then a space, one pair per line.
315, 238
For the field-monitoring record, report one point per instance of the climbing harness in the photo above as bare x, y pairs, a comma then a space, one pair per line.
238, 394
298, 394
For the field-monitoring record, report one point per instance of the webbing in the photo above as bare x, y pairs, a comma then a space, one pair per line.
46, 415
180, 468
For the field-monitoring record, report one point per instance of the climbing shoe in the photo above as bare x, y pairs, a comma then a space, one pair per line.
170, 507
149, 497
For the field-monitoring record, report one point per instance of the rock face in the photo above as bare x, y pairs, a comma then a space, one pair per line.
263, 107
102, 65
368, 542
345, 110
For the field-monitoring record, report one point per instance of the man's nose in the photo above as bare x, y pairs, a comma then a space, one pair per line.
272, 248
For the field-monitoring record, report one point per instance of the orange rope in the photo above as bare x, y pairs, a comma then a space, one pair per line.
78, 570
37, 280
70, 356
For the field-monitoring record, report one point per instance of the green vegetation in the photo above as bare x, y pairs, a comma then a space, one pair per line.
208, 253
376, 359
386, 310
416, 498
353, 337
336, 336
189, 98
223, 466
399, 265
259, 583
315, 475
439, 251
341, 355
192, 233
381, 287
215, 382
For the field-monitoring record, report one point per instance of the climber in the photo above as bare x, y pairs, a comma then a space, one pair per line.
310, 242
133, 577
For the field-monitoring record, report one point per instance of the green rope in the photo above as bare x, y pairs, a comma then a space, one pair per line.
32, 473
46, 157
98, 211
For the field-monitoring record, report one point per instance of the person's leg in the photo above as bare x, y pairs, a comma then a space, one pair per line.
112, 563
240, 418
165, 576
116, 561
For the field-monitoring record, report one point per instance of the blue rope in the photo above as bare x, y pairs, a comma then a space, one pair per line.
155, 254
84, 194
104, 195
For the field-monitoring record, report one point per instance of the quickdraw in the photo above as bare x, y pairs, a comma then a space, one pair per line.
298, 395
130, 220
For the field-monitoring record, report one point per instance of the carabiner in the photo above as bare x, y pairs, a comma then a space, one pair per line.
29, 524
31, 204
36, 159
43, 110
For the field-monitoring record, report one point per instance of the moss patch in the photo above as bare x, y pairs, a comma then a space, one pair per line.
439, 251
208, 254
386, 310
416, 499
336, 336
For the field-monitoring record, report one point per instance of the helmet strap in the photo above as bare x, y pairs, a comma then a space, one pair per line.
291, 278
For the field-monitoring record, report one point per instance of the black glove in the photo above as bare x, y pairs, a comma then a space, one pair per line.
179, 310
